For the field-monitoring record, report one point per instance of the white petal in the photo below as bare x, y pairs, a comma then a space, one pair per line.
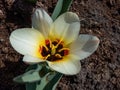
41, 21
26, 41
84, 46
68, 66
31, 60
66, 26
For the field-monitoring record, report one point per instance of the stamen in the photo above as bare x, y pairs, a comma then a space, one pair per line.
44, 52
47, 57
45, 47
50, 44
59, 42
63, 49
53, 50
58, 55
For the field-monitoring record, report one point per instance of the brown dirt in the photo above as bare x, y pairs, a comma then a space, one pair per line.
101, 71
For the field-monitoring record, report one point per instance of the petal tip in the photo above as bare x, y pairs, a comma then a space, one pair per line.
97, 40
71, 17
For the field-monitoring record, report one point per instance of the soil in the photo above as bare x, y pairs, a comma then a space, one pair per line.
100, 71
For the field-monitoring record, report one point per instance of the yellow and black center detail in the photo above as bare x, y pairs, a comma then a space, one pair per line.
53, 50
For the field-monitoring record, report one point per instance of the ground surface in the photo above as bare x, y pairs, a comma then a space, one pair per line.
101, 71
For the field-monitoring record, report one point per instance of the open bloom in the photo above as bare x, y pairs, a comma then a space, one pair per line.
58, 43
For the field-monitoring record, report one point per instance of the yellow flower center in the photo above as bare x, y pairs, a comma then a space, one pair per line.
53, 50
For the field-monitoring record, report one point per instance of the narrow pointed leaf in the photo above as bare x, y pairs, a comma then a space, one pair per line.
30, 76
61, 7
31, 67
57, 9
66, 6
53, 82
49, 82
30, 86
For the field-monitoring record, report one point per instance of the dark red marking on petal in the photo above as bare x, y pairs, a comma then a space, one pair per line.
54, 43
47, 42
66, 52
45, 52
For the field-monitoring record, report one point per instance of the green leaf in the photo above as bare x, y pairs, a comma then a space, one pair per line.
34, 66
66, 6
31, 76
49, 82
57, 9
30, 86
61, 7
53, 82
39, 77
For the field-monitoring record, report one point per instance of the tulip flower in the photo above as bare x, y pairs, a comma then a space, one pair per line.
58, 43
